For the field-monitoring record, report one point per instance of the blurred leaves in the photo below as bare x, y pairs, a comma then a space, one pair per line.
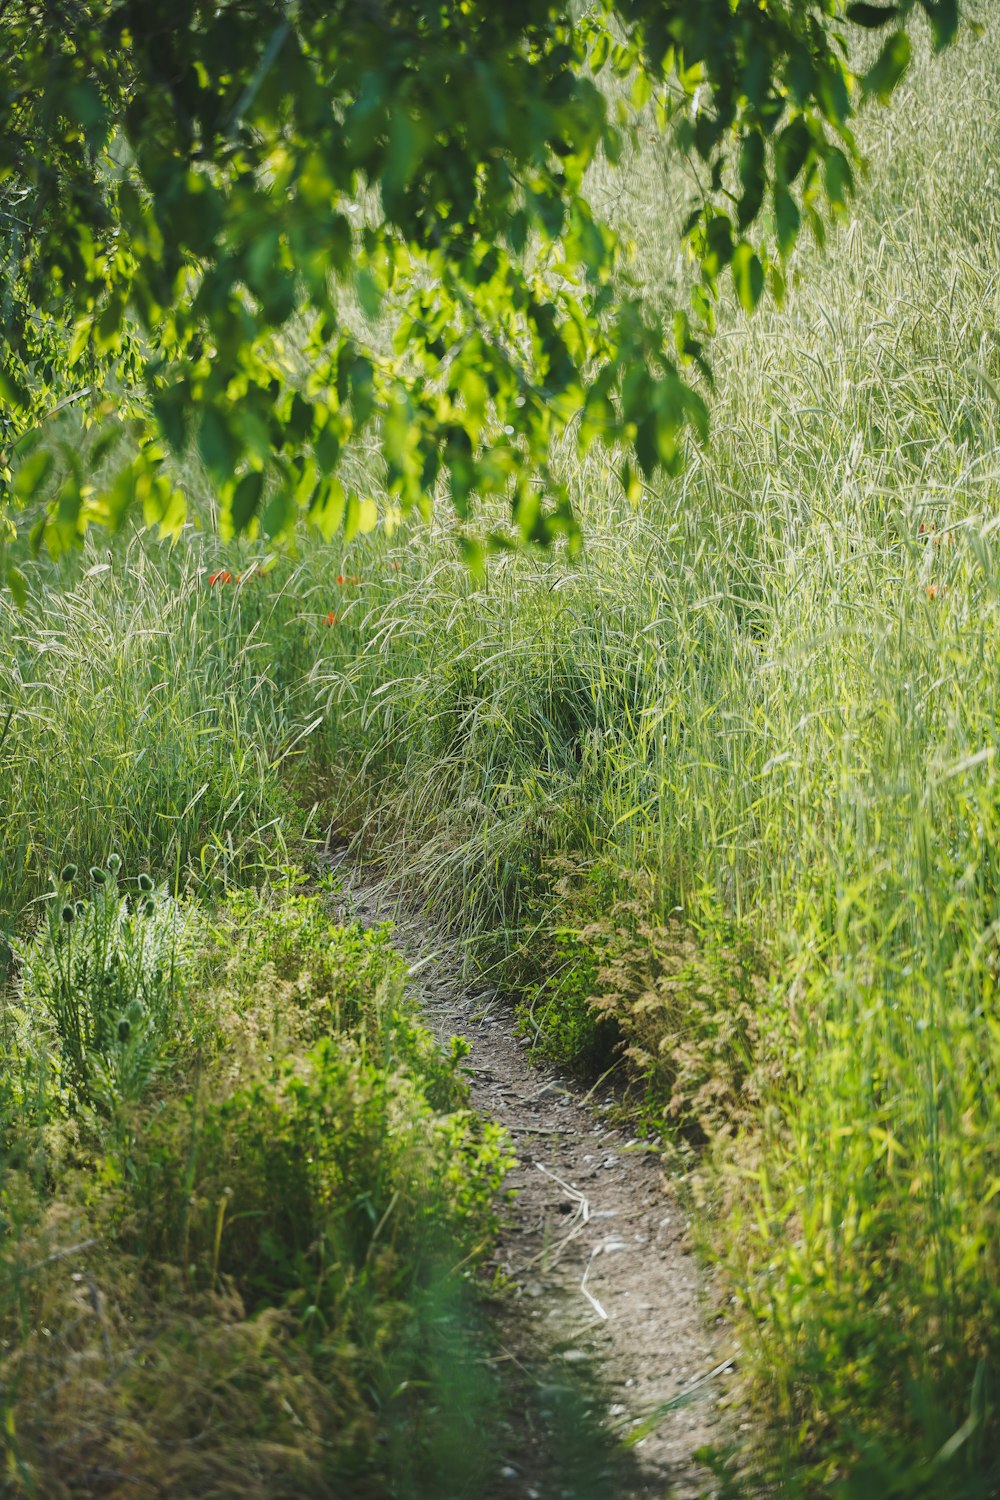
192, 204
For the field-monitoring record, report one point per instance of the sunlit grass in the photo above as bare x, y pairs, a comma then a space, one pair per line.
773, 687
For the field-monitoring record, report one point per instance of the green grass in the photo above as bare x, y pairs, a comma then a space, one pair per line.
776, 693
769, 697
254, 1271
145, 718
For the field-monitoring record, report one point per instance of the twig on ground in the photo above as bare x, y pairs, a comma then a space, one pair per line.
599, 1310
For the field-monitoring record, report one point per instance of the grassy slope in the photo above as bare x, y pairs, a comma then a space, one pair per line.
769, 689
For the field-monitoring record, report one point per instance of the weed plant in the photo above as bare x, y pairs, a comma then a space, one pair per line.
104, 978
144, 718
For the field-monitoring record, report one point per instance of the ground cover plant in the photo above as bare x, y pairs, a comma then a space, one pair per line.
720, 796
242, 1276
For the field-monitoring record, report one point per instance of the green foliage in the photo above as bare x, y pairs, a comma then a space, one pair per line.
331, 1166
143, 716
604, 983
774, 691
345, 979
260, 233
106, 976
288, 1251
554, 971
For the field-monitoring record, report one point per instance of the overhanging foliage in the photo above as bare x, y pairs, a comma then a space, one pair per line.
206, 208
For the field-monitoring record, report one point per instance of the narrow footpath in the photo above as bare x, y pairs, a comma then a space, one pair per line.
593, 1245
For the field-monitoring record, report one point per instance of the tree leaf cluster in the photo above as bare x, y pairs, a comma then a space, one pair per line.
259, 229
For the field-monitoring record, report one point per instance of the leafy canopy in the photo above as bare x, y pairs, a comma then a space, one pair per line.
264, 227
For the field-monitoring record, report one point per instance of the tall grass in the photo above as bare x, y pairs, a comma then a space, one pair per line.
773, 688
145, 716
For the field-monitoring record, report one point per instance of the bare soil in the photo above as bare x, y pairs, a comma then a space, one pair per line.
593, 1253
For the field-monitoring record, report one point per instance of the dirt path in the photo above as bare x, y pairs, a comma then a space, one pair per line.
592, 1244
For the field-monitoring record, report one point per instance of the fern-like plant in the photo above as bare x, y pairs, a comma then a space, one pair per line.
106, 974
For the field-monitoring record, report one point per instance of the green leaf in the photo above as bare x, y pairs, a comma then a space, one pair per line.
943, 16
328, 507
832, 90
12, 391
279, 514
631, 484
748, 276
889, 67
326, 446
18, 585
217, 444
753, 178
791, 150
164, 506
703, 308
362, 516
246, 499
719, 244
871, 16
642, 89
474, 556
647, 445
33, 473
170, 407
600, 52
786, 219
839, 178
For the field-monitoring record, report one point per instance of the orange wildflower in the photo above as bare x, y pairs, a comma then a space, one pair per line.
332, 617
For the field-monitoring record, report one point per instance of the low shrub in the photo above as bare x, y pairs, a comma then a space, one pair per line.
681, 1007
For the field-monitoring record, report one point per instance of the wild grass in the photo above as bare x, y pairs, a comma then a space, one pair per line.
770, 694
264, 1286
144, 720
774, 689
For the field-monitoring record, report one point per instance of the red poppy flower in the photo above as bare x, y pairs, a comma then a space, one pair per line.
332, 618
340, 577
221, 576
